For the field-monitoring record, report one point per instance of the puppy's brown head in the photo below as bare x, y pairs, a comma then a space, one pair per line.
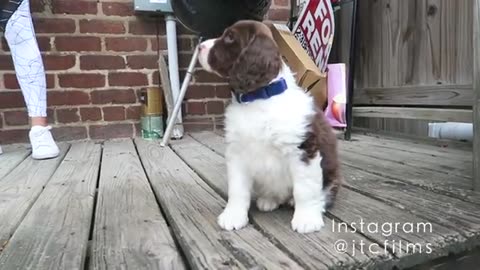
246, 54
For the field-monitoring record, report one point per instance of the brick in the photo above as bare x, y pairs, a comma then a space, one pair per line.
16, 118
155, 77
57, 25
184, 44
203, 76
58, 62
116, 113
10, 81
198, 124
50, 81
50, 115
196, 108
142, 61
127, 79
71, 97
37, 6
68, 115
159, 43
279, 14
69, 133
113, 96
90, 114
11, 100
118, 9
78, 44
6, 62
101, 62
215, 107
138, 129
133, 112
102, 26
223, 91
126, 44
200, 91
74, 7
43, 44
282, 3
81, 80
146, 27
111, 131
4, 44
184, 60
14, 136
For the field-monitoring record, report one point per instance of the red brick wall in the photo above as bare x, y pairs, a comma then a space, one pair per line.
98, 55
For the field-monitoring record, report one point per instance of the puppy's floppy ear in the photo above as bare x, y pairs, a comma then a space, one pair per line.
257, 65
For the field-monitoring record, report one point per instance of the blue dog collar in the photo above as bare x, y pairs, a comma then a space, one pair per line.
273, 89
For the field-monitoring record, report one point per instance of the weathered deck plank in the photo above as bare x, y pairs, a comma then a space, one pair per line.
313, 250
417, 148
448, 166
11, 158
192, 208
54, 234
453, 186
351, 205
129, 229
21, 188
456, 214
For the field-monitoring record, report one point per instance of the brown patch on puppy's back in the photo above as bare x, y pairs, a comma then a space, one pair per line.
320, 138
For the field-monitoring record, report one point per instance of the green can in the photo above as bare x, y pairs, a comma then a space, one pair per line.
152, 127
152, 116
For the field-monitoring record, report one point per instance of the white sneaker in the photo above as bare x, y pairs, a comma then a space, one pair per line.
1, 152
43, 145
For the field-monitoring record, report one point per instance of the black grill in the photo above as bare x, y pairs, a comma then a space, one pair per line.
208, 18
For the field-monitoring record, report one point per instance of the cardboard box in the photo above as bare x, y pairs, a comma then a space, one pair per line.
308, 75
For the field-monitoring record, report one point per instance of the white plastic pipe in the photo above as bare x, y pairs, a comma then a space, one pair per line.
451, 131
172, 48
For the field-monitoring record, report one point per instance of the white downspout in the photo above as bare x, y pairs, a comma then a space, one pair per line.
451, 130
172, 48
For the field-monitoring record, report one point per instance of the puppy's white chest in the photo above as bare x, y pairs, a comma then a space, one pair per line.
264, 159
269, 168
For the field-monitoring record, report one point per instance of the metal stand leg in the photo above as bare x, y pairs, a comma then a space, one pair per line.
178, 104
351, 73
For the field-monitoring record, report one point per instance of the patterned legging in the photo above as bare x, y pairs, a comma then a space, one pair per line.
16, 21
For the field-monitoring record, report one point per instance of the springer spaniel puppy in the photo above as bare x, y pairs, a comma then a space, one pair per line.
280, 149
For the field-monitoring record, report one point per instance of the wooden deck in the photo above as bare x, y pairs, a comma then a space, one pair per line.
130, 204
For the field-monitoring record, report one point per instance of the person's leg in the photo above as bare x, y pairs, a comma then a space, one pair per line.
20, 36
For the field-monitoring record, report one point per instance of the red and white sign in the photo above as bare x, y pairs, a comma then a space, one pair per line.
314, 29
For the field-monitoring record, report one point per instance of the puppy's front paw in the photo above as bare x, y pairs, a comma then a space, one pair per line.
233, 219
266, 204
307, 221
